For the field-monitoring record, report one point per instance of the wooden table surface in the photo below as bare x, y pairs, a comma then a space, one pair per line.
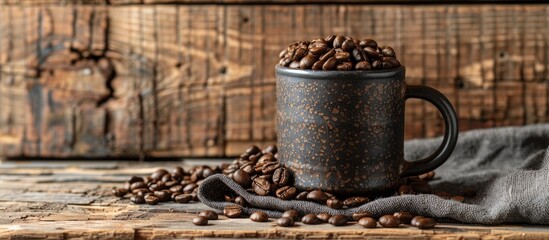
66, 200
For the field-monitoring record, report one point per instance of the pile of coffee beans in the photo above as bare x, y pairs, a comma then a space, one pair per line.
163, 186
259, 172
342, 53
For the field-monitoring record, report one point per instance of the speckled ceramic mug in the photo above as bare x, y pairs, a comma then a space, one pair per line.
343, 131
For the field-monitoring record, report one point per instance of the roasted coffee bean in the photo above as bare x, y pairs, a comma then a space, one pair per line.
334, 203
359, 55
171, 183
268, 157
343, 56
183, 198
405, 189
261, 186
229, 198
281, 177
176, 188
241, 201
423, 222
302, 196
270, 167
286, 192
369, 43
135, 179
330, 64
318, 47
299, 54
404, 217
140, 191
355, 201
311, 219
391, 60
294, 64
388, 51
376, 64
359, 215
371, 53
253, 150
307, 62
259, 216
348, 45
190, 187
324, 217
338, 41
200, 221
152, 199
386, 65
367, 222
119, 192
148, 179
157, 186
293, 214
163, 196
166, 178
209, 214
137, 199
317, 196
327, 55
421, 187
137, 185
248, 168
283, 53
344, 66
338, 220
330, 40
285, 222
389, 221
285, 62
232, 211
272, 149
158, 174
207, 172
242, 178
363, 65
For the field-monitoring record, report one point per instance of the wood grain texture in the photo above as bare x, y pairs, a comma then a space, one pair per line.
198, 80
42, 210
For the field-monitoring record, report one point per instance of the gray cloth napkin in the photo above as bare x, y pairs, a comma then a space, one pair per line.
509, 168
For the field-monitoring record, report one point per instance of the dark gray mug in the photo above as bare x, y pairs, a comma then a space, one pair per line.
343, 131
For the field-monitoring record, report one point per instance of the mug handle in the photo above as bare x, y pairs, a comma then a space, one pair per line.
450, 134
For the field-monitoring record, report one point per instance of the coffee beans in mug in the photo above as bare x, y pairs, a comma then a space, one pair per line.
341, 53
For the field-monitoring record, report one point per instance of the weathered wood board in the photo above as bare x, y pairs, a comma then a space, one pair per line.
31, 208
100, 80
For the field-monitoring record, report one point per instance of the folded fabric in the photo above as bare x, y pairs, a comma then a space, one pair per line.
508, 167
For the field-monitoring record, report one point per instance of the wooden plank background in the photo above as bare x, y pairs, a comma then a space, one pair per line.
107, 80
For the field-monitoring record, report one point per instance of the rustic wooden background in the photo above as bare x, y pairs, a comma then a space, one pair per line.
128, 78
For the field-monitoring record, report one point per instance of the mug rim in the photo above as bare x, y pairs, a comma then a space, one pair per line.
331, 74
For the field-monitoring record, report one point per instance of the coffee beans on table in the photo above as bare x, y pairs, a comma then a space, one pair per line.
200, 221
293, 214
324, 217
285, 222
389, 221
367, 222
259, 217
404, 217
359, 215
311, 219
342, 53
338, 220
210, 215
232, 211
423, 222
